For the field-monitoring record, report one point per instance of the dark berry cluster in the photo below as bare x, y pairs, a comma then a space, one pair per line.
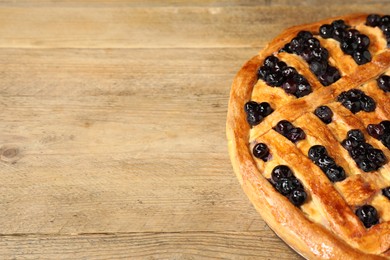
288, 185
384, 83
261, 151
356, 100
365, 155
255, 112
320, 157
309, 48
324, 113
381, 132
277, 74
352, 42
386, 192
383, 23
287, 129
368, 215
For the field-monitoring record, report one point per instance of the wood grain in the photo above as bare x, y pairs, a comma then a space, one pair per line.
190, 245
112, 126
163, 27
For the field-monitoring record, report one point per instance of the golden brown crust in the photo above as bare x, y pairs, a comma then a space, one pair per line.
340, 235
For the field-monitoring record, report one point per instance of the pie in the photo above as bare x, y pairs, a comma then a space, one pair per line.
308, 131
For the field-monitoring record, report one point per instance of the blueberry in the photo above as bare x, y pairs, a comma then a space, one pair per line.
343, 96
373, 20
335, 173
307, 54
285, 186
304, 89
263, 72
355, 93
324, 113
274, 78
318, 67
326, 31
320, 54
386, 140
368, 215
253, 115
261, 151
362, 41
265, 109
367, 103
375, 131
251, 106
366, 165
361, 57
297, 45
296, 134
339, 34
356, 135
349, 144
280, 65
339, 24
352, 105
385, 125
317, 151
297, 197
324, 162
347, 47
254, 118
385, 19
386, 29
270, 61
358, 153
290, 86
288, 72
313, 43
386, 192
351, 34
384, 83
283, 127
331, 76
305, 35
376, 156
286, 48
300, 79
280, 173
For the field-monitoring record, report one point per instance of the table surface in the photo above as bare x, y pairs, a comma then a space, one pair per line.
112, 133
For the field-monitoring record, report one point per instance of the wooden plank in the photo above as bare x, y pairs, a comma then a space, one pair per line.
159, 3
191, 245
162, 27
118, 141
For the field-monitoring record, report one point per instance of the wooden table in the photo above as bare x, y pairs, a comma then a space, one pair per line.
112, 126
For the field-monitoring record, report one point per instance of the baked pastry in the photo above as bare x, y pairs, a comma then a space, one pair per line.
308, 130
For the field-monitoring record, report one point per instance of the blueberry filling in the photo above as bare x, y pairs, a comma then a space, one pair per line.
288, 185
324, 113
356, 100
277, 74
261, 151
309, 48
352, 42
256, 112
381, 132
365, 155
375, 20
285, 128
368, 215
320, 157
384, 83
